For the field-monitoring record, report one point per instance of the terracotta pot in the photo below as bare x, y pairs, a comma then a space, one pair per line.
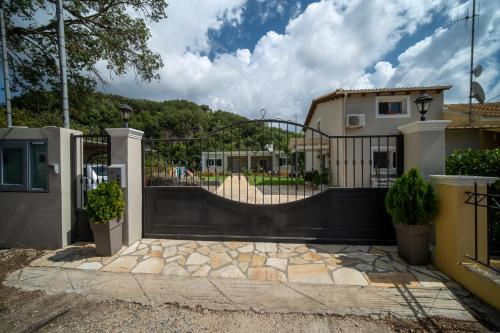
413, 242
107, 237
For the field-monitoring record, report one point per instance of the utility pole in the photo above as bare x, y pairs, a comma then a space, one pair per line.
62, 62
6, 83
471, 60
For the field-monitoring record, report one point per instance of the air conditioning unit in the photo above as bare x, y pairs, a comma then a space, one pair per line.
355, 120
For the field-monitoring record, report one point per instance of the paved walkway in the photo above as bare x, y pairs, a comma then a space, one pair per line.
264, 277
302, 263
239, 189
242, 294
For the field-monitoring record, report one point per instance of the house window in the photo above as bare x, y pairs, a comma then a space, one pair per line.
380, 159
13, 165
318, 124
214, 162
384, 160
392, 106
283, 161
263, 164
23, 165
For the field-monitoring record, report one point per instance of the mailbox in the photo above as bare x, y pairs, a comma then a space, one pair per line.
116, 173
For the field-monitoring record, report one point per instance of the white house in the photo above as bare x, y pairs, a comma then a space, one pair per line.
364, 125
244, 161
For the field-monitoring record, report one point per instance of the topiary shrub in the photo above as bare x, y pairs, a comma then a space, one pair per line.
411, 200
474, 162
105, 203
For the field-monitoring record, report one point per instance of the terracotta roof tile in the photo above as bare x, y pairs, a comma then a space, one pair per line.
486, 109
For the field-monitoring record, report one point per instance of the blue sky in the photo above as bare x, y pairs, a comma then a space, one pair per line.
259, 17
244, 55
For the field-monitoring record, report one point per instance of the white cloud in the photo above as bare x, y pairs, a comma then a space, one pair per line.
188, 23
444, 57
330, 44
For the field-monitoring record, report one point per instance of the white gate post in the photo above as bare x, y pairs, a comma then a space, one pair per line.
424, 146
126, 148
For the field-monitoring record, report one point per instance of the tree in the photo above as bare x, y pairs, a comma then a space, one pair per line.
96, 31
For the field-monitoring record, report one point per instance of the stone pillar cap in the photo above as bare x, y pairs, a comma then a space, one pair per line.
462, 180
125, 133
424, 126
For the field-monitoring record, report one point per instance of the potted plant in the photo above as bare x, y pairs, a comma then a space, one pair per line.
105, 205
412, 205
308, 178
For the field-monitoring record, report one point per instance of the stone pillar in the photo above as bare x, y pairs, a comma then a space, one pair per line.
126, 148
424, 146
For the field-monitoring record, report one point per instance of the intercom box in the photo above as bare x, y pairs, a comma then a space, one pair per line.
116, 172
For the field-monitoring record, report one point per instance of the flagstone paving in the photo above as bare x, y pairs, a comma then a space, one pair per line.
347, 265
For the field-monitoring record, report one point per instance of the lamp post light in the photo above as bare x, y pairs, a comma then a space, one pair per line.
423, 102
126, 111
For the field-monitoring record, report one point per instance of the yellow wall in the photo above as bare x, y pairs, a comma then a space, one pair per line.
455, 240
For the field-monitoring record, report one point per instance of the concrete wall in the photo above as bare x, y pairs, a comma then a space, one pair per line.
331, 117
357, 104
40, 220
490, 139
462, 139
454, 227
424, 146
471, 138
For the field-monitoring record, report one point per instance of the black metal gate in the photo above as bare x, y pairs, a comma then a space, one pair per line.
91, 156
270, 180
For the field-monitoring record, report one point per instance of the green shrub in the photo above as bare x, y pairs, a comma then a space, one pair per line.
308, 176
105, 203
411, 200
319, 178
474, 163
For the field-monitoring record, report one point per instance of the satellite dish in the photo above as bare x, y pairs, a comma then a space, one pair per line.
478, 70
478, 92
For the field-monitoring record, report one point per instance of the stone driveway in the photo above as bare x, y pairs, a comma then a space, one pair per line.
344, 265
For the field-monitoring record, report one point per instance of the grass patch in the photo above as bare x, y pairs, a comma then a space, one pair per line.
275, 180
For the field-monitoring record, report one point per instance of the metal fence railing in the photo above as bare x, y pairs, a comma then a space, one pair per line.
272, 161
91, 158
490, 244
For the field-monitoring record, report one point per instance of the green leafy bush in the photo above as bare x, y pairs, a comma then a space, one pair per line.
319, 178
308, 176
105, 203
474, 162
479, 163
411, 200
